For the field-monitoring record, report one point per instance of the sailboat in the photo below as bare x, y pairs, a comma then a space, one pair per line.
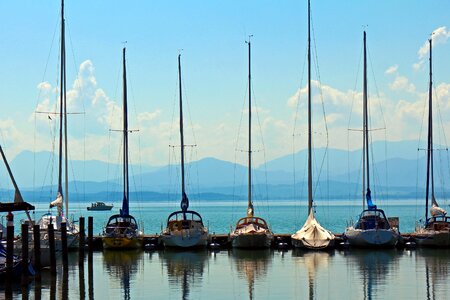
49, 218
436, 231
312, 235
121, 231
250, 231
185, 227
372, 228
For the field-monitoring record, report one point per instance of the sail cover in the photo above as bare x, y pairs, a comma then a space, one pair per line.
312, 234
435, 210
370, 204
58, 202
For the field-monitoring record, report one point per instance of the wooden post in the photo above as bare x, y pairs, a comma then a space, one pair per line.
90, 233
9, 250
82, 236
64, 243
90, 275
24, 233
37, 250
52, 248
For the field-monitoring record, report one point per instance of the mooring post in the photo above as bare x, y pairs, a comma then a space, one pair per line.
64, 243
9, 250
90, 233
37, 250
52, 248
24, 233
82, 236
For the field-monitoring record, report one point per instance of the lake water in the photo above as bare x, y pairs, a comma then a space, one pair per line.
260, 274
283, 216
234, 274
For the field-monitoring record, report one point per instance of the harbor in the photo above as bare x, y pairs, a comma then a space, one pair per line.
196, 151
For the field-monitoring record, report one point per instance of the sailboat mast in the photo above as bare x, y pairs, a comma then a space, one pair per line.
365, 128
184, 198
125, 204
430, 139
310, 198
66, 158
250, 205
61, 104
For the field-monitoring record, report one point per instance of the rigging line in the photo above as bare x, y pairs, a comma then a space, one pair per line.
441, 133
323, 113
131, 90
110, 123
384, 123
264, 152
354, 93
37, 104
299, 93
297, 210
237, 144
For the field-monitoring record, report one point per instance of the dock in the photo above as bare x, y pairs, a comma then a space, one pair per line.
221, 241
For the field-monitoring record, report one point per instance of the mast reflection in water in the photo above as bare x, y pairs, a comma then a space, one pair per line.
123, 266
184, 269
251, 264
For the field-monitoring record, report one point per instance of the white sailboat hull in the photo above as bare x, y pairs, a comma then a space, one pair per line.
372, 237
432, 238
185, 239
251, 240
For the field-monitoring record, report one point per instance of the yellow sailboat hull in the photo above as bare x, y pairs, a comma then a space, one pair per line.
122, 243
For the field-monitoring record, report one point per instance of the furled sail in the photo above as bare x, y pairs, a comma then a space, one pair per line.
435, 210
312, 234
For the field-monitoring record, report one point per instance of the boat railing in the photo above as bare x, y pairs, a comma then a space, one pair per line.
251, 220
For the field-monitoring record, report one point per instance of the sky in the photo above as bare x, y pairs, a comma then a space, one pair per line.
211, 35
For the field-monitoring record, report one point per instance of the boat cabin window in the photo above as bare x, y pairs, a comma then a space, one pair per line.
190, 216
372, 219
122, 222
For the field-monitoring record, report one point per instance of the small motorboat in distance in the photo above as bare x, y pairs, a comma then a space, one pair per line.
100, 206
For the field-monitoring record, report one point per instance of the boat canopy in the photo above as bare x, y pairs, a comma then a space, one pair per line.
251, 220
122, 221
372, 219
185, 215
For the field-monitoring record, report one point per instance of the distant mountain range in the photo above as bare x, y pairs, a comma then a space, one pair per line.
399, 170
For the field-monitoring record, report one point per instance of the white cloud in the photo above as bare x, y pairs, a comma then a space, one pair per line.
439, 36
44, 86
148, 116
391, 70
401, 83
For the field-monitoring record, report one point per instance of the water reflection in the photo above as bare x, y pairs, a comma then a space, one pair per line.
184, 269
373, 267
436, 271
313, 260
124, 266
253, 265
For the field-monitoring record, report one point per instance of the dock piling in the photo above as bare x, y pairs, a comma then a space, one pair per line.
82, 237
9, 250
37, 249
24, 234
52, 248
90, 233
64, 244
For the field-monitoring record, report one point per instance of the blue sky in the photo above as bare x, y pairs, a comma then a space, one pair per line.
214, 58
